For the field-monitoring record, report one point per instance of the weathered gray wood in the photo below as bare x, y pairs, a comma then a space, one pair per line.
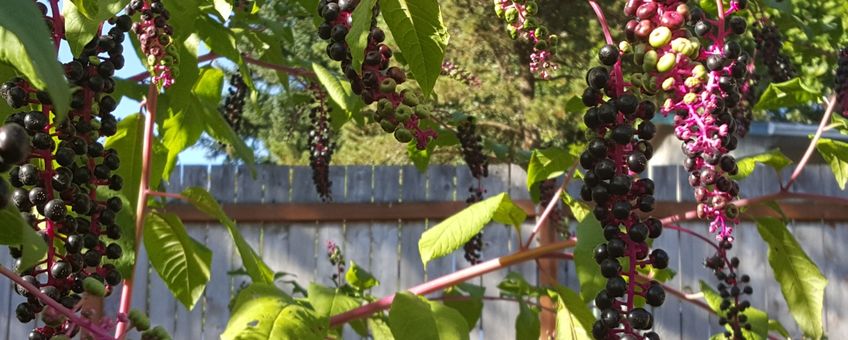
6, 292
414, 189
219, 240
667, 319
330, 232
498, 316
385, 236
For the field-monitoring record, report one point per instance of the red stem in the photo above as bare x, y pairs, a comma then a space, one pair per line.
551, 205
825, 119
71, 315
141, 205
453, 279
166, 195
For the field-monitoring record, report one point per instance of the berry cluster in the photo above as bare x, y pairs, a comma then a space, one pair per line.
731, 290
233, 108
154, 33
472, 152
337, 260
701, 77
320, 146
56, 185
615, 157
460, 74
518, 15
769, 44
841, 87
397, 112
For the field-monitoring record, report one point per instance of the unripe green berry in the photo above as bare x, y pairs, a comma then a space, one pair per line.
93, 287
692, 82
139, 320
529, 23
499, 11
541, 32
649, 64
388, 85
625, 47
690, 98
388, 126
422, 112
668, 84
660, 36
403, 135
639, 53
699, 71
511, 15
385, 107
541, 45
409, 98
513, 32
666, 62
403, 112
531, 7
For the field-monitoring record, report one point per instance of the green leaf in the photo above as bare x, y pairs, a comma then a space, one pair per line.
420, 158
421, 35
578, 208
471, 307
222, 41
527, 325
340, 92
29, 48
786, 94
184, 264
835, 153
801, 281
546, 164
329, 301
357, 36
589, 235
514, 284
380, 328
181, 129
757, 318
256, 268
14, 231
776, 326
773, 158
574, 318
413, 317
263, 312
452, 233
360, 278
83, 18
128, 142
206, 94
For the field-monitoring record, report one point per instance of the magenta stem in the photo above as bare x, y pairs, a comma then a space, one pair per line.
71, 315
806, 158
453, 279
141, 205
619, 76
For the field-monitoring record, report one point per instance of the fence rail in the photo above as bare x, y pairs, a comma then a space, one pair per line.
382, 211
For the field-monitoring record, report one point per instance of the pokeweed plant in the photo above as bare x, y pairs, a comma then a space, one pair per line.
79, 177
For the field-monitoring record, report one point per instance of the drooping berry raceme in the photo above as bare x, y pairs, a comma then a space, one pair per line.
55, 184
154, 34
471, 145
520, 23
233, 108
321, 145
841, 85
454, 71
613, 160
769, 52
732, 287
700, 77
398, 112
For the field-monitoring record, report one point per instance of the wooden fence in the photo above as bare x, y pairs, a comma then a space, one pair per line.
388, 248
